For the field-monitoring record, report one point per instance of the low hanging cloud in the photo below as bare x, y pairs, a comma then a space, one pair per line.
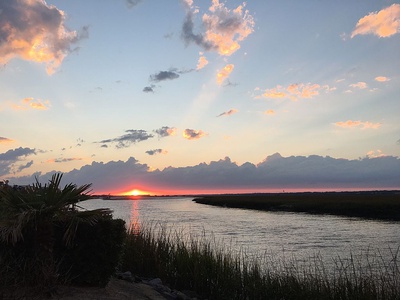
383, 23
224, 73
164, 75
228, 113
224, 28
156, 151
32, 103
10, 159
191, 134
4, 140
132, 136
149, 89
33, 30
382, 78
274, 173
294, 91
165, 131
358, 124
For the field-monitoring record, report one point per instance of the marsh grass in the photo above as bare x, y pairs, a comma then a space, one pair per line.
214, 271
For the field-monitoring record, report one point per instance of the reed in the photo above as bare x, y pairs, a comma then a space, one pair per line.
214, 271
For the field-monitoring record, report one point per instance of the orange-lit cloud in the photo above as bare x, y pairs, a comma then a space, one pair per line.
375, 153
224, 28
165, 131
4, 140
294, 91
269, 112
361, 85
33, 30
360, 124
192, 134
202, 62
228, 113
31, 103
224, 73
383, 23
382, 79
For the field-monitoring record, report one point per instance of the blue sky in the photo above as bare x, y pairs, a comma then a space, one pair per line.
172, 87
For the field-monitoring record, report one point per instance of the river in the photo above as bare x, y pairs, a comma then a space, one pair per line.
269, 234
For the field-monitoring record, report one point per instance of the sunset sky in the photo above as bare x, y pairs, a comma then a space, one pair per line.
201, 96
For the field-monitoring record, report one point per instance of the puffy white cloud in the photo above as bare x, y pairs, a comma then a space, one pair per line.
35, 31
383, 23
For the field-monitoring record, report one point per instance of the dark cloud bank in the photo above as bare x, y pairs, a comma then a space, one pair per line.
275, 172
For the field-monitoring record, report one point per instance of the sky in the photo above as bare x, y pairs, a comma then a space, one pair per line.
190, 96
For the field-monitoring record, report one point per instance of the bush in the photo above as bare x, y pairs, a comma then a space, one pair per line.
95, 254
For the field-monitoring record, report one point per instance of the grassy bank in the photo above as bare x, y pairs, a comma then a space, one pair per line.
381, 205
213, 271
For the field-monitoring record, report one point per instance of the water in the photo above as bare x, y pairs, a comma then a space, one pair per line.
272, 234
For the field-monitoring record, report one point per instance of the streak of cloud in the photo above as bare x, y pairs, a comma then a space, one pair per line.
156, 151
359, 124
32, 103
165, 131
294, 91
164, 75
132, 136
33, 30
4, 140
382, 78
361, 85
383, 23
63, 160
269, 112
191, 134
132, 3
228, 113
224, 73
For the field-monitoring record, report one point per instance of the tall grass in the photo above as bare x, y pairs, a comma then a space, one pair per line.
214, 271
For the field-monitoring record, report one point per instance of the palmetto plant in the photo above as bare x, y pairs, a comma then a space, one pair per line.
34, 211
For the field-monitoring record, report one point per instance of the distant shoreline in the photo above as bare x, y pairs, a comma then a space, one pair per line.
374, 205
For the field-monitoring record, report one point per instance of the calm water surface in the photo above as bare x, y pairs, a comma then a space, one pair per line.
276, 234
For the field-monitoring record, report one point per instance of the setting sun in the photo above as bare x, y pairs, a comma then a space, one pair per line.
135, 193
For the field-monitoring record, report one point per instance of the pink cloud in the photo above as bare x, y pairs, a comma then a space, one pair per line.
191, 134
269, 112
30, 102
224, 73
294, 91
360, 124
202, 62
361, 85
383, 23
382, 78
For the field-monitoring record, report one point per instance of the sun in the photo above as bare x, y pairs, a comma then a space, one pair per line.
135, 193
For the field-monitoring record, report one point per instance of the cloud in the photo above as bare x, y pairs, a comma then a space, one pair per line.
164, 75
63, 160
361, 85
31, 103
294, 91
132, 3
269, 112
149, 89
202, 62
4, 140
382, 79
133, 136
192, 134
224, 73
375, 153
165, 131
228, 113
26, 166
224, 28
33, 30
360, 124
9, 159
275, 172
383, 23
156, 151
